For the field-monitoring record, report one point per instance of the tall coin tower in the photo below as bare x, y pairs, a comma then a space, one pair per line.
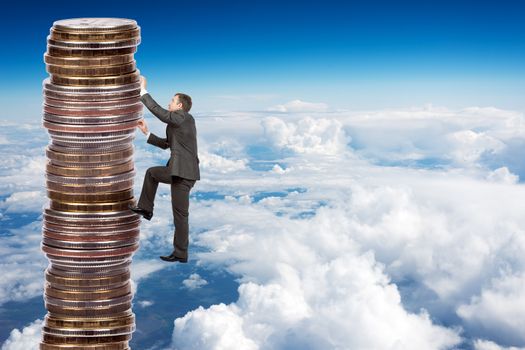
91, 109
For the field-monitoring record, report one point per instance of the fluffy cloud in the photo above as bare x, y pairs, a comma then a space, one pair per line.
28, 339
308, 135
351, 247
503, 175
24, 201
297, 106
489, 345
497, 312
194, 281
424, 227
145, 303
22, 278
215, 328
216, 163
469, 146
318, 291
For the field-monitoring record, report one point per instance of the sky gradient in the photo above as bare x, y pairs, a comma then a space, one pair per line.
238, 55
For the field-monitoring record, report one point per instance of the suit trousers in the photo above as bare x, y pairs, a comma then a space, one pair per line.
180, 201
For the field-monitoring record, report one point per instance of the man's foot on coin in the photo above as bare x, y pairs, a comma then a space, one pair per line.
145, 213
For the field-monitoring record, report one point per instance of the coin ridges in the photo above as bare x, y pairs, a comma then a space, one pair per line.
91, 107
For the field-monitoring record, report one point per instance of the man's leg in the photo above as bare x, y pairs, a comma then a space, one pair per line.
180, 201
153, 176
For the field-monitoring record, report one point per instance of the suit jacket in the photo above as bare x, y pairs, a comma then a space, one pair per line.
181, 138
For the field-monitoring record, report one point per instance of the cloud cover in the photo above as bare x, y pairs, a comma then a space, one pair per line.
390, 229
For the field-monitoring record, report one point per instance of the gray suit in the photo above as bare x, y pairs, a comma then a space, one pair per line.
181, 171
181, 138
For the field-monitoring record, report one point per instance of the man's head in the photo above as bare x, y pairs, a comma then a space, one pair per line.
180, 101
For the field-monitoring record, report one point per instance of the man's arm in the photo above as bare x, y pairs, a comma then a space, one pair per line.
157, 141
174, 118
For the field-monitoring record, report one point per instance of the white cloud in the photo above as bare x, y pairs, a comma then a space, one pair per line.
25, 201
194, 281
297, 106
498, 312
308, 135
503, 175
489, 345
252, 97
279, 170
218, 327
317, 291
22, 278
27, 339
360, 250
468, 146
216, 163
145, 303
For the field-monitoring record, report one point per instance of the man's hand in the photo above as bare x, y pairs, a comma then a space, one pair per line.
143, 126
143, 82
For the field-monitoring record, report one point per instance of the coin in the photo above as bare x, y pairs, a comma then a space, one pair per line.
91, 71
95, 81
93, 45
80, 253
88, 61
79, 341
90, 128
78, 35
47, 85
91, 108
90, 197
95, 24
84, 53
90, 104
123, 345
93, 111
91, 295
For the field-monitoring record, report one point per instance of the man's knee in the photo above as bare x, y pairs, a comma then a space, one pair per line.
154, 172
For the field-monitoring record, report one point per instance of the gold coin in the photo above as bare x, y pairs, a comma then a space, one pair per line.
96, 81
93, 295
95, 24
90, 197
89, 207
85, 53
98, 171
89, 158
94, 36
101, 346
92, 71
88, 61
48, 338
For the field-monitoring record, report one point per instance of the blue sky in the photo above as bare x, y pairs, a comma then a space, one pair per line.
239, 55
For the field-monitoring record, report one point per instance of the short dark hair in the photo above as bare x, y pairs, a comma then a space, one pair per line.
185, 100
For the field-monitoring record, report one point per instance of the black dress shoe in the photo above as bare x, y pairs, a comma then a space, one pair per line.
173, 258
145, 214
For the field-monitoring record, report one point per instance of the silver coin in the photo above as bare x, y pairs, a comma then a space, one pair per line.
90, 180
87, 151
48, 85
79, 332
92, 45
81, 120
107, 135
95, 24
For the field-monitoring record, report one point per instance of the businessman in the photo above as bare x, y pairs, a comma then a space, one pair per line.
181, 170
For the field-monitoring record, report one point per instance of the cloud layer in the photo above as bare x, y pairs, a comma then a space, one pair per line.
391, 229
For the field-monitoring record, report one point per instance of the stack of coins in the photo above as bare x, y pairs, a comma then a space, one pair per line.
91, 109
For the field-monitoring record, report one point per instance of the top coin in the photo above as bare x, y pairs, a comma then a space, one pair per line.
94, 24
